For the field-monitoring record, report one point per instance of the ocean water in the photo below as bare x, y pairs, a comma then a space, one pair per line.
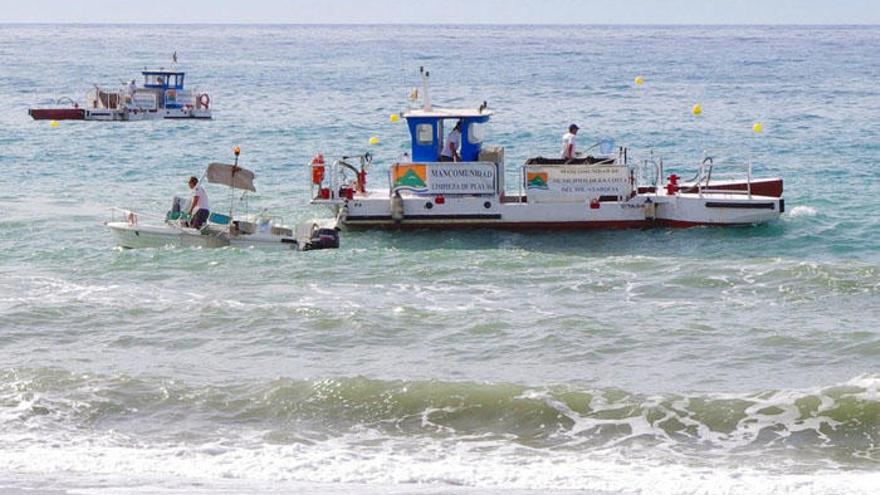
734, 361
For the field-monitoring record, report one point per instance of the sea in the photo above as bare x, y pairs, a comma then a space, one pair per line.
660, 361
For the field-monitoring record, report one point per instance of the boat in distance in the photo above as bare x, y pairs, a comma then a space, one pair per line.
162, 95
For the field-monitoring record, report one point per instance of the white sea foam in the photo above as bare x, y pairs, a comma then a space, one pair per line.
479, 464
803, 211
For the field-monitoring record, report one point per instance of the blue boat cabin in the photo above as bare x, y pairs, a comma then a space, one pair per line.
428, 132
167, 82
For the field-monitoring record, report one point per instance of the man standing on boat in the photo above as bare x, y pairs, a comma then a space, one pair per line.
453, 141
199, 205
568, 143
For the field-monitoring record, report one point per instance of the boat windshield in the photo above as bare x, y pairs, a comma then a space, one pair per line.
158, 79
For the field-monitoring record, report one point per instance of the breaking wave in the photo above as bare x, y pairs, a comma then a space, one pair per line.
841, 420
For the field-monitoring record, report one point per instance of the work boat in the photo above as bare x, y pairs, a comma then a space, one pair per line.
590, 192
137, 230
162, 95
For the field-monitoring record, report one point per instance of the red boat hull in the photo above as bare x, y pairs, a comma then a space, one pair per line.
57, 113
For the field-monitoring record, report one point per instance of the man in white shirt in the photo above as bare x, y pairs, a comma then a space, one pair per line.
453, 142
568, 143
199, 205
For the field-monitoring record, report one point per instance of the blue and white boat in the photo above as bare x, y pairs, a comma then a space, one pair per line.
161, 95
602, 191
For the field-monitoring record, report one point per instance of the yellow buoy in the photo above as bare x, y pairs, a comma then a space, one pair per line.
697, 109
53, 124
639, 80
757, 128
394, 118
374, 140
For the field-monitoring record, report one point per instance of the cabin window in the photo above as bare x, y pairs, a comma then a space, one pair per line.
425, 133
156, 79
476, 132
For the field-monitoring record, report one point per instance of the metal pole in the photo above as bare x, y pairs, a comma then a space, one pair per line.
700, 179
750, 178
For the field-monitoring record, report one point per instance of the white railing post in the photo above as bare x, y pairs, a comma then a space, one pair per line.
749, 179
700, 179
659, 181
522, 178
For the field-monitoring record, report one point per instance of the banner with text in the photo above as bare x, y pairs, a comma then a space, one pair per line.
575, 183
144, 100
444, 178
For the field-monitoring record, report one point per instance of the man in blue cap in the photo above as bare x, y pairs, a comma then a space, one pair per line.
568, 143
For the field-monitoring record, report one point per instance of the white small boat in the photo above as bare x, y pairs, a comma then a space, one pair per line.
138, 230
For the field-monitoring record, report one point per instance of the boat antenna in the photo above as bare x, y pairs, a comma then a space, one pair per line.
236, 151
427, 99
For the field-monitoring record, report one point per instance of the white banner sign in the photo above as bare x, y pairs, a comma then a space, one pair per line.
144, 100
575, 183
445, 178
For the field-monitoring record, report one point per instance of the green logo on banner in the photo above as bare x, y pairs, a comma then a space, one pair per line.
411, 177
536, 180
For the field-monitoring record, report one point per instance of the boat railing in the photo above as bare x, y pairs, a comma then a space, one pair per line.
650, 172
345, 175
99, 98
132, 217
702, 181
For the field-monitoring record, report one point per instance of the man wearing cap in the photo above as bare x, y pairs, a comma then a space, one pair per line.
568, 144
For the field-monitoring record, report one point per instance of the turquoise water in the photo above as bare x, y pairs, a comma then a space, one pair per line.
666, 361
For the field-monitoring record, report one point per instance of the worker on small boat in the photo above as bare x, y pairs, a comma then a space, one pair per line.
568, 143
199, 205
453, 142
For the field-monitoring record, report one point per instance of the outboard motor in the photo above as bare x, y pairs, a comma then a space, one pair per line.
322, 239
177, 204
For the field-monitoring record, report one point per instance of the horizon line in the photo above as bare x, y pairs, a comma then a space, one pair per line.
423, 24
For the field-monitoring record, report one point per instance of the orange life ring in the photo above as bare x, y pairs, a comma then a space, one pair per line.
204, 100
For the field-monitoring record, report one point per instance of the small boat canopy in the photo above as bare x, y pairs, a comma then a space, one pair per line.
230, 175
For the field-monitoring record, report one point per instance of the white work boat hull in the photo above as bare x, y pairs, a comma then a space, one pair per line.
126, 114
566, 204
641, 211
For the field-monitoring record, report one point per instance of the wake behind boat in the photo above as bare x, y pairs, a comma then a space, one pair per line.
583, 192
138, 230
